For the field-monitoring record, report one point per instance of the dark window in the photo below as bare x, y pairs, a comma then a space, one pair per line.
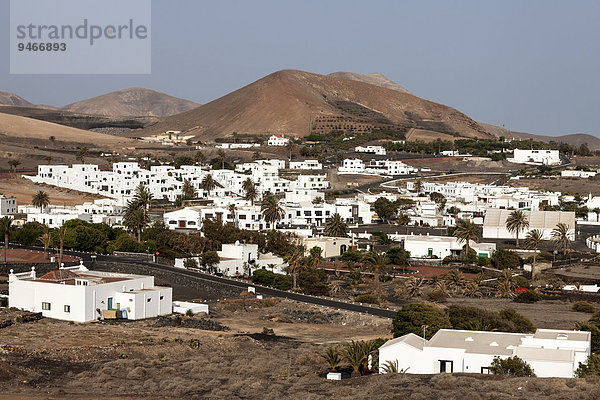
46, 306
67, 308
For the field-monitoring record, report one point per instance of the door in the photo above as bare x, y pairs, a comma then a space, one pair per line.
430, 252
446, 366
110, 303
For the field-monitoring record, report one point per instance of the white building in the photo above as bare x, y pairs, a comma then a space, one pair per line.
306, 165
77, 294
375, 167
443, 246
55, 218
494, 224
8, 205
574, 173
550, 353
277, 140
535, 157
330, 246
378, 150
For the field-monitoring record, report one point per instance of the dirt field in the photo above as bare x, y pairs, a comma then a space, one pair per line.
351, 181
563, 185
30, 256
24, 190
170, 358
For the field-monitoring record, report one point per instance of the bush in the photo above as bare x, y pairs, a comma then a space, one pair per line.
522, 282
437, 296
595, 332
511, 366
271, 279
366, 298
313, 281
590, 368
503, 259
411, 318
474, 318
583, 306
528, 296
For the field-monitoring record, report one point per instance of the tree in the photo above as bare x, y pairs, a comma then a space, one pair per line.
41, 200
318, 200
532, 242
135, 219
403, 219
209, 259
590, 368
413, 287
189, 191
467, 231
250, 190
516, 222
505, 259
472, 289
398, 256
293, 259
5, 224
315, 258
418, 319
221, 157
199, 157
336, 227
418, 187
377, 262
62, 233
356, 354
271, 210
511, 366
45, 240
332, 356
439, 199
14, 164
561, 239
208, 184
385, 209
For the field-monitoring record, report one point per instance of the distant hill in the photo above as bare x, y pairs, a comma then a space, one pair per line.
575, 139
134, 101
375, 78
11, 99
293, 102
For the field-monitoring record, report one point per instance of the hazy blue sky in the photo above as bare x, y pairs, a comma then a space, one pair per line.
530, 65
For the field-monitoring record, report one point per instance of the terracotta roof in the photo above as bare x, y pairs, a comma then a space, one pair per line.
59, 275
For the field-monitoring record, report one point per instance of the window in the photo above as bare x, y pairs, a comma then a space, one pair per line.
46, 306
485, 370
67, 308
149, 300
162, 297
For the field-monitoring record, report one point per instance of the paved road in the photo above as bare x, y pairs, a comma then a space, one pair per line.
319, 301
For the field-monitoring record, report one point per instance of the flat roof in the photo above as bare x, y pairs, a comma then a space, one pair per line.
480, 342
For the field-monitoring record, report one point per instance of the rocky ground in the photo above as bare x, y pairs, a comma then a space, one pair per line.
246, 349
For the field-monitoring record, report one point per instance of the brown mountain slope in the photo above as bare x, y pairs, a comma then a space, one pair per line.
375, 78
289, 101
132, 102
575, 139
11, 99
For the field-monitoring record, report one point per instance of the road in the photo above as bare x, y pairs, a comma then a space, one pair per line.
265, 291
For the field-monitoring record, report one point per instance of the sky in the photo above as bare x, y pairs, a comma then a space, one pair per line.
532, 66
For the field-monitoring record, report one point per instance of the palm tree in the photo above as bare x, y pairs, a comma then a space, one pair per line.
45, 240
62, 232
532, 242
455, 279
315, 258
272, 211
336, 227
5, 224
135, 220
378, 262
472, 289
466, 231
41, 200
418, 187
251, 193
293, 260
143, 199
189, 191
208, 184
221, 156
199, 157
390, 367
561, 239
403, 219
332, 357
356, 354
14, 164
504, 289
232, 209
413, 287
516, 222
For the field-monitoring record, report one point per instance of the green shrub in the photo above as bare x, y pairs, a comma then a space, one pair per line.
511, 366
528, 296
474, 318
437, 296
522, 282
411, 318
583, 306
503, 259
366, 298
271, 279
590, 368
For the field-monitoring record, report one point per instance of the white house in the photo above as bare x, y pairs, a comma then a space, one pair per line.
306, 165
378, 150
550, 353
538, 157
277, 140
574, 173
330, 246
443, 246
8, 205
78, 294
494, 224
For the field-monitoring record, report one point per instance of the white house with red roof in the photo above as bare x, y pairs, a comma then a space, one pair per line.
80, 295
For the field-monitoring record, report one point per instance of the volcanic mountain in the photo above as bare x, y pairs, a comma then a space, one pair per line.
294, 102
375, 78
134, 101
11, 99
